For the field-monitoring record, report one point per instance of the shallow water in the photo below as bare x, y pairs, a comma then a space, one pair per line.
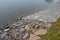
50, 14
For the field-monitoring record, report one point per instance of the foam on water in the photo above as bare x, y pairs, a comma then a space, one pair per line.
51, 14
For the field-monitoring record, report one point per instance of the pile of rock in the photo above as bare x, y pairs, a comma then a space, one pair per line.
25, 29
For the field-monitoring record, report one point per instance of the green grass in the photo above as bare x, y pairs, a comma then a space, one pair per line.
53, 32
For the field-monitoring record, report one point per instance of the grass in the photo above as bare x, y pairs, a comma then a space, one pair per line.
53, 32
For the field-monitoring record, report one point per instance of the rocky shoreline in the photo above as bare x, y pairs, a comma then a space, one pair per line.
25, 29
32, 26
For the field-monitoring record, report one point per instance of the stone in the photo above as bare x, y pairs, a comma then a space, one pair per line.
0, 32
26, 36
41, 32
0, 38
3, 35
34, 37
14, 24
6, 30
27, 27
48, 25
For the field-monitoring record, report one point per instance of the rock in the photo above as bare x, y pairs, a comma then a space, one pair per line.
0, 38
23, 29
20, 18
26, 35
6, 37
48, 25
34, 37
40, 19
22, 26
3, 35
14, 24
0, 32
41, 32
27, 27
6, 30
37, 27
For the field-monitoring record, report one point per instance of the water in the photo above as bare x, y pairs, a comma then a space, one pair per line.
10, 9
50, 14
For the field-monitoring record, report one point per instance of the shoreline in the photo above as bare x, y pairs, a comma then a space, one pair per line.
28, 26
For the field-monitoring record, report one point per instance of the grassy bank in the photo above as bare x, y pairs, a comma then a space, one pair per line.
53, 32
